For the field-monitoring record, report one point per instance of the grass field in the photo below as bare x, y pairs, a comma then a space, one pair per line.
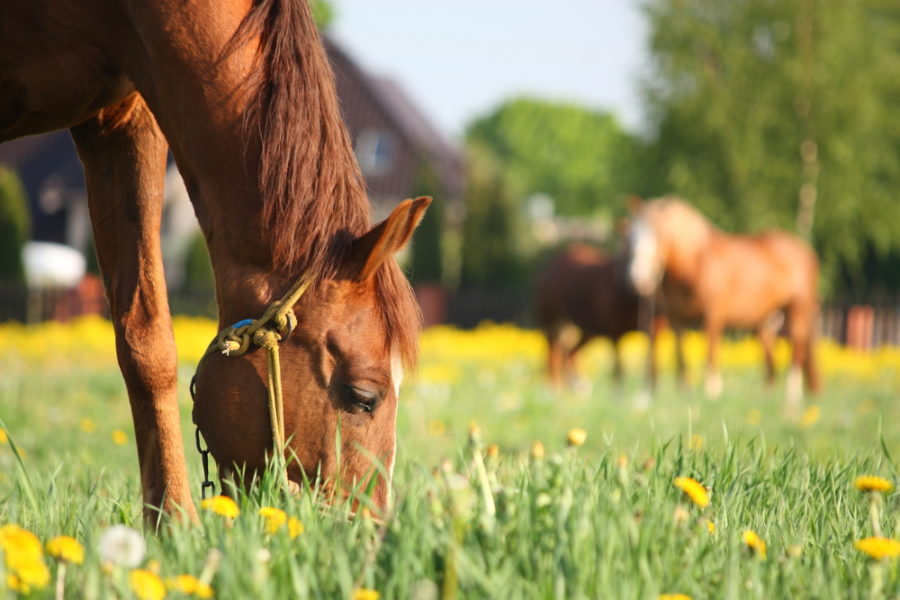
479, 511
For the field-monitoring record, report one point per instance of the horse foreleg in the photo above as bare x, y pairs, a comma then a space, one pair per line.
124, 157
800, 330
617, 362
680, 363
767, 340
554, 361
713, 376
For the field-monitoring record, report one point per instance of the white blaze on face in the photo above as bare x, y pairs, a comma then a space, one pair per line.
396, 373
396, 379
644, 267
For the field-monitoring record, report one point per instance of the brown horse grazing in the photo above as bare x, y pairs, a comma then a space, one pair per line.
700, 274
242, 93
581, 294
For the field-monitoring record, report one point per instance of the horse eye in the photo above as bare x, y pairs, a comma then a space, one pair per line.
360, 400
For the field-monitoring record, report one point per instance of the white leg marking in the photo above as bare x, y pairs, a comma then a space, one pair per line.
713, 385
794, 389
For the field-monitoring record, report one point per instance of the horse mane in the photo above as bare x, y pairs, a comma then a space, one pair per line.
684, 221
314, 201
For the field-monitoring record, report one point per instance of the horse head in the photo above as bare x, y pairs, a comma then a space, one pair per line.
341, 367
643, 248
665, 234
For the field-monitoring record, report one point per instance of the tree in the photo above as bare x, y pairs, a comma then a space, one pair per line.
15, 226
427, 244
581, 158
323, 13
493, 245
781, 114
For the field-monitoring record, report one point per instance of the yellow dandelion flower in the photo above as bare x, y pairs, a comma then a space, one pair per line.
24, 559
87, 426
710, 527
872, 483
794, 550
29, 574
275, 518
621, 461
878, 548
697, 442
119, 437
366, 594
754, 417
576, 437
66, 549
146, 585
221, 505
810, 416
694, 490
537, 450
17, 585
674, 597
295, 527
4, 439
189, 585
493, 451
754, 543
436, 428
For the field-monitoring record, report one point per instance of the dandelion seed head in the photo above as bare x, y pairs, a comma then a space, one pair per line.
122, 545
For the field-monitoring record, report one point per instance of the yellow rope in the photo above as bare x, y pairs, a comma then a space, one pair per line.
276, 323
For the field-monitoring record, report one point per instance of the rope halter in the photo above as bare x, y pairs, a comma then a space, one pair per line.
274, 326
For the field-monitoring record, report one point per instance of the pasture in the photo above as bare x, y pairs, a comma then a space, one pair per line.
480, 510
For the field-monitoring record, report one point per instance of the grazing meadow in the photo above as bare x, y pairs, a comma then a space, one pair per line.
502, 489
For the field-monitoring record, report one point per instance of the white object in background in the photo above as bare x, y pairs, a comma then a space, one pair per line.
49, 264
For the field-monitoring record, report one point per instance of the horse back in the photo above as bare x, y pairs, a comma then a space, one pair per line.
586, 287
751, 276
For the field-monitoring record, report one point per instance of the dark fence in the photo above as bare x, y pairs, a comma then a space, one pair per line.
862, 326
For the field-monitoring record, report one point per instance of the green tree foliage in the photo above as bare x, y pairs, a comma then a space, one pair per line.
323, 13
15, 225
427, 243
198, 273
493, 245
579, 157
752, 100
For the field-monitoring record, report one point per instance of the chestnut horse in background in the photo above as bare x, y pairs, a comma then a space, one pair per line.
242, 93
700, 274
581, 294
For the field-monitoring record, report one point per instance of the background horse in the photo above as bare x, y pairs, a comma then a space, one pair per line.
703, 275
243, 94
582, 293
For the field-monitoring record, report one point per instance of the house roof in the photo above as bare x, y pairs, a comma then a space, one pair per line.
403, 114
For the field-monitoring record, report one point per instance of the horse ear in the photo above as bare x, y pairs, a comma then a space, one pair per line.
389, 236
634, 204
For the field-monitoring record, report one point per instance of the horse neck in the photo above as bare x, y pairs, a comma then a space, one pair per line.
251, 113
683, 247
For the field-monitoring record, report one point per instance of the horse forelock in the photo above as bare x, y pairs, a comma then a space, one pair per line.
400, 313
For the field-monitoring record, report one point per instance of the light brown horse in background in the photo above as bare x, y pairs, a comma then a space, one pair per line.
242, 93
703, 275
583, 293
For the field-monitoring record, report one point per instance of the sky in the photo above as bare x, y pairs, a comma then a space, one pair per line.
460, 59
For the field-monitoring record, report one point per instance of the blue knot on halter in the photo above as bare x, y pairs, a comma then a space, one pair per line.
242, 323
